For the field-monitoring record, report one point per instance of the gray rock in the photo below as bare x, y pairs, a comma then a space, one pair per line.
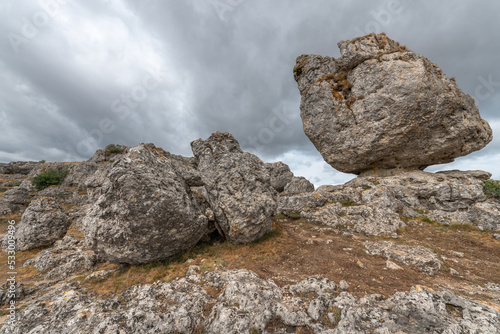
247, 301
67, 257
43, 222
280, 175
392, 265
18, 167
381, 105
17, 196
241, 301
422, 310
300, 202
299, 185
13, 200
11, 291
372, 204
145, 210
343, 285
418, 257
238, 188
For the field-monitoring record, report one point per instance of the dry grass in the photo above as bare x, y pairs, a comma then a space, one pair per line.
287, 255
296, 250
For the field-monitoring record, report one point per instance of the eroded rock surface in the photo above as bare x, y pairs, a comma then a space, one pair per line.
145, 211
68, 256
299, 185
374, 205
381, 105
280, 175
238, 187
419, 257
43, 222
240, 301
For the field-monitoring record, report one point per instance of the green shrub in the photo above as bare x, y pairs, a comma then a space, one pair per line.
347, 202
114, 149
294, 215
491, 188
49, 178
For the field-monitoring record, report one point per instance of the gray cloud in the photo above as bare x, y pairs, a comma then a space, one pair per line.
168, 72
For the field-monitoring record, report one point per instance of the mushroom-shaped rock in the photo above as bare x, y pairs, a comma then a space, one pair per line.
381, 105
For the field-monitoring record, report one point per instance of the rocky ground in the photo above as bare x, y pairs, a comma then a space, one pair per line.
312, 273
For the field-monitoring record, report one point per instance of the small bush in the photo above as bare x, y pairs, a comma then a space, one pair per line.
294, 215
347, 202
298, 70
49, 178
491, 188
425, 219
114, 149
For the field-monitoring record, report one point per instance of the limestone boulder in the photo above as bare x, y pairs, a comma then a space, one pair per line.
280, 175
381, 105
145, 210
299, 185
42, 223
238, 188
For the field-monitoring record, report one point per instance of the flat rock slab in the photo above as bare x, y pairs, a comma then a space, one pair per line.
418, 257
381, 105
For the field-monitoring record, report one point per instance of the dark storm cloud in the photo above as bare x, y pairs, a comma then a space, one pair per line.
168, 72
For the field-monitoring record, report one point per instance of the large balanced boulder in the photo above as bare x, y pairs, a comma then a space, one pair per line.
383, 106
145, 211
238, 187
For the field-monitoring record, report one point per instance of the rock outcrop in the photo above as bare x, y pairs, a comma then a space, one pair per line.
381, 105
68, 256
145, 211
419, 257
280, 175
374, 205
43, 222
298, 185
238, 187
13, 200
242, 302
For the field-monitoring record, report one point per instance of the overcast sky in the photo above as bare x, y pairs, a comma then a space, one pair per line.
79, 75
